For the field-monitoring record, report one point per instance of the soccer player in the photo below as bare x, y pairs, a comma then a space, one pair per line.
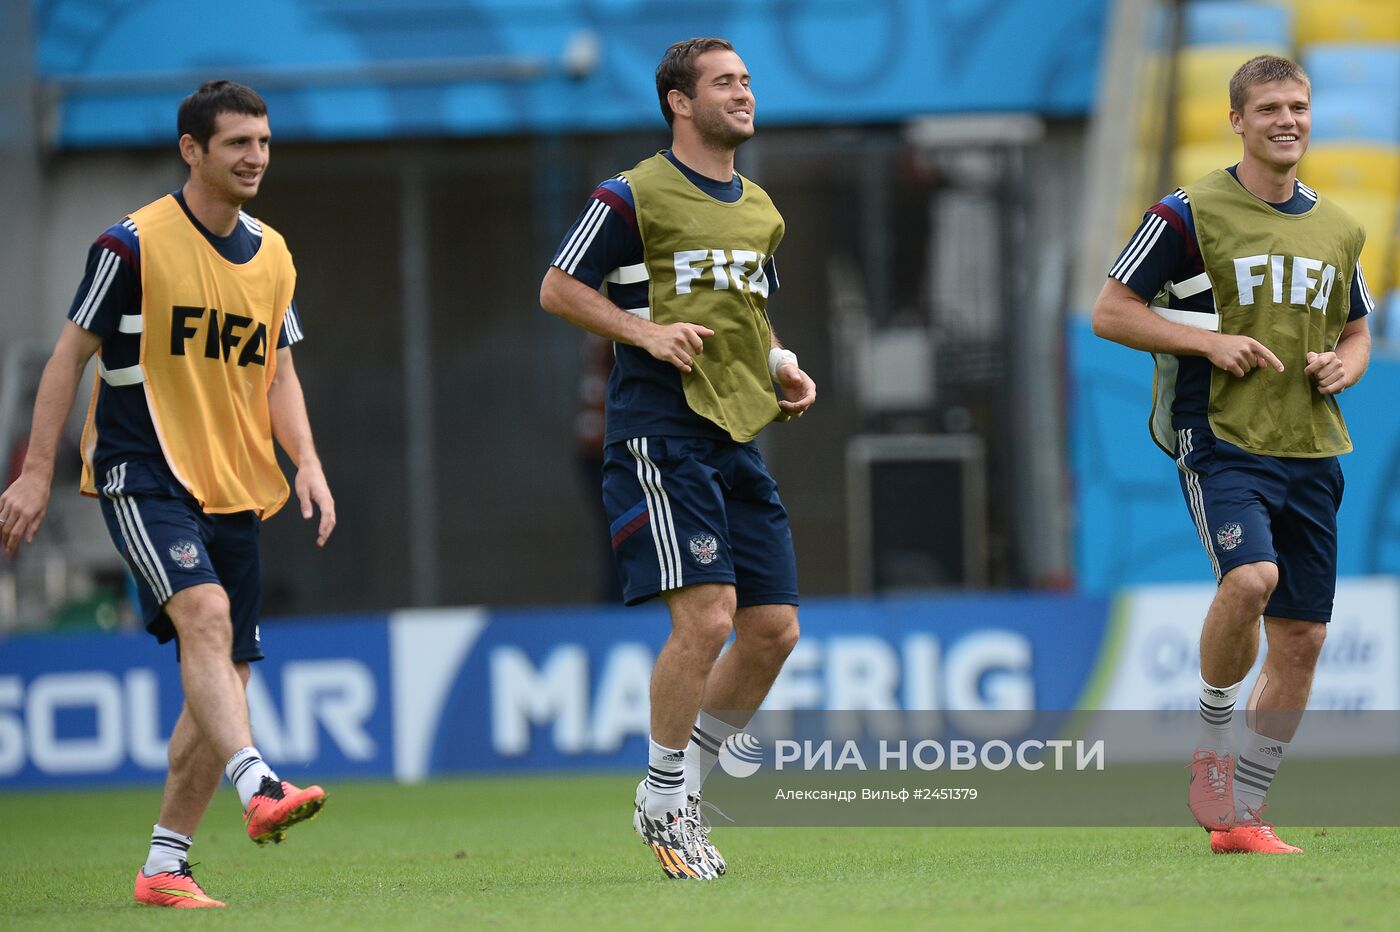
1260, 322
188, 303
684, 247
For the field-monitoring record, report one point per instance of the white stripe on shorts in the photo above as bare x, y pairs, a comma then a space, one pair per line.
663, 526
138, 542
1195, 500
115, 477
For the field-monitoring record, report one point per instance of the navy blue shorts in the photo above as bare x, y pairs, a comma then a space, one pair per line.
686, 510
170, 545
1283, 510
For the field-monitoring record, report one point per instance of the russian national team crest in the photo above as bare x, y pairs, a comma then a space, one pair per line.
704, 548
185, 554
1228, 537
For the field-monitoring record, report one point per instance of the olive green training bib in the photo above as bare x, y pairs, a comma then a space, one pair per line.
1285, 280
705, 262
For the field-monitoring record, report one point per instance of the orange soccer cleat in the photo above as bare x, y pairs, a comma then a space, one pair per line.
276, 807
173, 888
1212, 792
1251, 835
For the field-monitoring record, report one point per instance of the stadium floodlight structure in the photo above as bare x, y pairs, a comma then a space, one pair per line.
577, 60
1125, 133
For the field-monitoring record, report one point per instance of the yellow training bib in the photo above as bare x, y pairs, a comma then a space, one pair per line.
208, 357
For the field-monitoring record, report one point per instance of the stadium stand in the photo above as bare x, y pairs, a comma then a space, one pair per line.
1345, 21
1232, 22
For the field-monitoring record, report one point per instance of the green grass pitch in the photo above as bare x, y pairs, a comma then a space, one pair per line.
558, 852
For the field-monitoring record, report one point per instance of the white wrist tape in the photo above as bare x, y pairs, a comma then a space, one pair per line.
777, 356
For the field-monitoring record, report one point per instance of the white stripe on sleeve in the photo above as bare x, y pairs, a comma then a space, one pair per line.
101, 281
1139, 248
291, 323
573, 251
1367, 301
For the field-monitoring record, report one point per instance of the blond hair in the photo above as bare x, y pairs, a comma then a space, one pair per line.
1264, 69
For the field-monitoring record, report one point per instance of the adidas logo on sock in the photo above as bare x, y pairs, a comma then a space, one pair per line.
1217, 693
676, 757
1273, 750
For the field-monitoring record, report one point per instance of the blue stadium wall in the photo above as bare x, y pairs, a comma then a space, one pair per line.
425, 693
817, 62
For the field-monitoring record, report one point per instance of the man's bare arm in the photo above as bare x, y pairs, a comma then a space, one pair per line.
24, 504
292, 429
565, 296
1121, 315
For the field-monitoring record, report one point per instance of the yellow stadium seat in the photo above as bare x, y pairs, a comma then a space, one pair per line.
1152, 79
1204, 71
1204, 119
1330, 167
1142, 187
1377, 212
1346, 21
1380, 278
1194, 162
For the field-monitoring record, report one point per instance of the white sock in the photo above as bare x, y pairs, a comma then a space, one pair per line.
245, 770
665, 780
1217, 710
702, 753
169, 850
1255, 769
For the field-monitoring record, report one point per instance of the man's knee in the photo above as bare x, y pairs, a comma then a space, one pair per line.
1296, 645
706, 633
785, 641
202, 619
703, 619
1251, 584
767, 634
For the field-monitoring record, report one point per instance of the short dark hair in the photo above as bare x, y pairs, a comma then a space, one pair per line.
677, 70
1264, 69
200, 111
